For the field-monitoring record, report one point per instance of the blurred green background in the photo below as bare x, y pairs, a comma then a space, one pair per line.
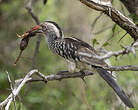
76, 20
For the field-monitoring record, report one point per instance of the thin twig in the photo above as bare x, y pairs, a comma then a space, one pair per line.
122, 37
17, 87
36, 19
30, 11
125, 51
95, 20
123, 68
103, 30
13, 97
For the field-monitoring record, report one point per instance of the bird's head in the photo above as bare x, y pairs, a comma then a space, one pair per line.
49, 28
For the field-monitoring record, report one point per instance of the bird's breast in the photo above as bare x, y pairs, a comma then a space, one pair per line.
65, 50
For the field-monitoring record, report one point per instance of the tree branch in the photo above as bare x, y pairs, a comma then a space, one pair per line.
125, 51
61, 75
21, 82
95, 20
11, 88
17, 87
122, 68
115, 15
103, 30
36, 19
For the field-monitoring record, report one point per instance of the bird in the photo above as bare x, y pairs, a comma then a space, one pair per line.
79, 55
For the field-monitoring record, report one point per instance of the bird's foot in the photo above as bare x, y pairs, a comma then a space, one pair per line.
83, 76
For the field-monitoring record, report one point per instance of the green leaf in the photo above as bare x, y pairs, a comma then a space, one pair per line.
94, 42
106, 44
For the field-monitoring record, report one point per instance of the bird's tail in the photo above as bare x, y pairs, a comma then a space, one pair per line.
116, 87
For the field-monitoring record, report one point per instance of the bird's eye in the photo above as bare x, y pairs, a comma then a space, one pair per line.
44, 27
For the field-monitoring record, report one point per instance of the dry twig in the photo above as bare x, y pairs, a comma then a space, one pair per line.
36, 19
125, 51
13, 97
21, 82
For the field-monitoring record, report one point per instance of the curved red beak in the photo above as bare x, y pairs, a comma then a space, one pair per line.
37, 27
34, 30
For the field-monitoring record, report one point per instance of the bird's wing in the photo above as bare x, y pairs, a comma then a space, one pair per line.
88, 54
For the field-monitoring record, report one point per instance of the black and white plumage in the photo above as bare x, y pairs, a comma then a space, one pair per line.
80, 56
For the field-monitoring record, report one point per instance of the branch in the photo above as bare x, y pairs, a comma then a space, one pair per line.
115, 15
36, 19
95, 20
61, 75
21, 82
17, 87
117, 53
103, 30
125, 51
11, 87
122, 68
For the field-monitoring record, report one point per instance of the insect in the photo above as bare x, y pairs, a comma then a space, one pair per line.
25, 40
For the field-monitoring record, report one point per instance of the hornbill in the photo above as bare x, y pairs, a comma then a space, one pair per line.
79, 55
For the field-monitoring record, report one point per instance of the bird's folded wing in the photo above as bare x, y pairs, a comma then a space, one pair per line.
88, 56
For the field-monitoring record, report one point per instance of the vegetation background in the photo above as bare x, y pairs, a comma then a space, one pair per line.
76, 20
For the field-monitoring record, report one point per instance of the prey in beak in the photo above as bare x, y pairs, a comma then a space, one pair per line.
32, 32
25, 39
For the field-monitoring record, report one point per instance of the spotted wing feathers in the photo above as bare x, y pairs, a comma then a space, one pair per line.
84, 51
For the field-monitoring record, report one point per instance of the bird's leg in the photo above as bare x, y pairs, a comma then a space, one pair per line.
83, 76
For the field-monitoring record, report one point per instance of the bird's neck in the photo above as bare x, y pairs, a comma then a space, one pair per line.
51, 38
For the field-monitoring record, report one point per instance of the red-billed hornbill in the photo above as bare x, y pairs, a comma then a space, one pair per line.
79, 55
